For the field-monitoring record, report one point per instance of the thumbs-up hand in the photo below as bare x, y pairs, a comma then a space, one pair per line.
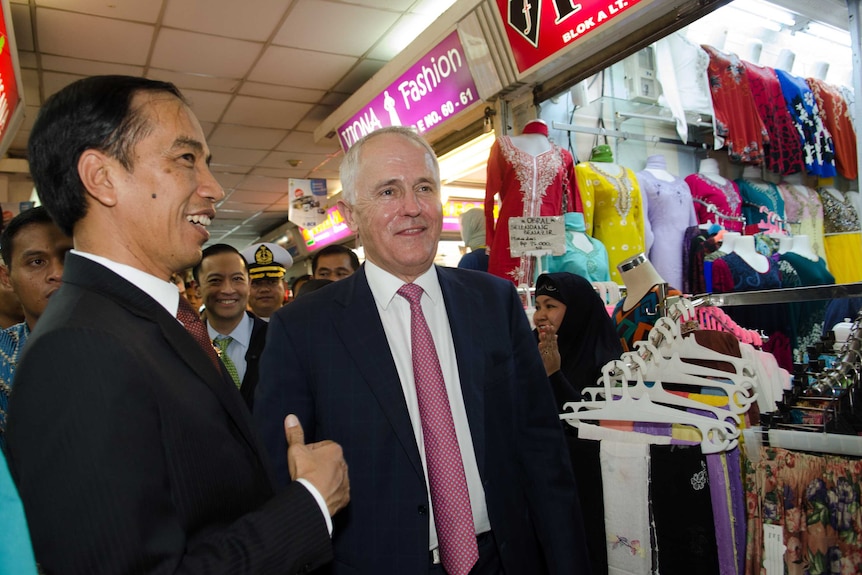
321, 464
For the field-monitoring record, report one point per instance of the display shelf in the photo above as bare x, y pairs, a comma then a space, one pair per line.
783, 295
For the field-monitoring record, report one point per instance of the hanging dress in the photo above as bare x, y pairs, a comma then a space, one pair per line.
528, 186
725, 198
783, 154
842, 238
737, 123
818, 152
758, 194
836, 117
804, 213
612, 211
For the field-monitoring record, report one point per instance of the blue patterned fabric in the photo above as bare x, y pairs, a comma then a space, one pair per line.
746, 278
12, 342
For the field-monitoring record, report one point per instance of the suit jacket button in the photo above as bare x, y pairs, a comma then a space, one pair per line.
423, 510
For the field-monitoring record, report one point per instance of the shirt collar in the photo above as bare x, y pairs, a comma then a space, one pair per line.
164, 292
384, 286
241, 333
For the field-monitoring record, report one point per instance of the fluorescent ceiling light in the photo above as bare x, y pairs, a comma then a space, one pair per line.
767, 11
466, 159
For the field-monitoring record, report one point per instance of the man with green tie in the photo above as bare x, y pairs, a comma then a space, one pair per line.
237, 334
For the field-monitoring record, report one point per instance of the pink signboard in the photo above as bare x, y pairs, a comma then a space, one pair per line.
333, 229
436, 88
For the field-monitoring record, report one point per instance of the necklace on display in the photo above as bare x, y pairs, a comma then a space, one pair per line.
624, 187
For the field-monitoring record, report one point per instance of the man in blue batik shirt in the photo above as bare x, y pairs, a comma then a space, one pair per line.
33, 249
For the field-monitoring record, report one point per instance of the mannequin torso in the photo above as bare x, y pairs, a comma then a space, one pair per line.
802, 247
533, 144
639, 277
743, 246
709, 169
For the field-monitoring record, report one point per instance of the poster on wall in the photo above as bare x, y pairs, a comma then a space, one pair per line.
538, 29
307, 202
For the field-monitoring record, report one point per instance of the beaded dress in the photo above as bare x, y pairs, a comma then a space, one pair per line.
842, 241
725, 198
611, 201
758, 194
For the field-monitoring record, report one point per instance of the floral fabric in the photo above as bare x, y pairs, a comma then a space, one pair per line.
816, 499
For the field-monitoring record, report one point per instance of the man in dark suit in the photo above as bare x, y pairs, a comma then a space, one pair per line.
360, 373
238, 334
131, 452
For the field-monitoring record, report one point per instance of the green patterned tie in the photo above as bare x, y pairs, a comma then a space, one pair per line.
221, 343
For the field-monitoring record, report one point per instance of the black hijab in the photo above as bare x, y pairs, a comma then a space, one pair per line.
586, 338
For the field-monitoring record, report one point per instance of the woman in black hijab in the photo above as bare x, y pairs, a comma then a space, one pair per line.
575, 333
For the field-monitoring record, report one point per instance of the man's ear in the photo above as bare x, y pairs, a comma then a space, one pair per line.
98, 173
346, 211
4, 277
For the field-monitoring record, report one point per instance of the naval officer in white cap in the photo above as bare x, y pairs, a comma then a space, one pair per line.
267, 264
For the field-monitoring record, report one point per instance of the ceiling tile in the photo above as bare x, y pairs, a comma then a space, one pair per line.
19, 142
22, 25
93, 38
302, 29
360, 74
263, 184
246, 137
207, 128
237, 156
194, 81
259, 198
334, 99
228, 181
207, 106
227, 17
292, 67
281, 92
30, 114
280, 173
318, 114
28, 60
265, 113
202, 54
54, 81
304, 142
229, 168
30, 84
87, 67
282, 159
431, 9
402, 34
397, 5
136, 10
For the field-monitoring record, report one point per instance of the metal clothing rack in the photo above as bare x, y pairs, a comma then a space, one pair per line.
782, 295
625, 135
711, 208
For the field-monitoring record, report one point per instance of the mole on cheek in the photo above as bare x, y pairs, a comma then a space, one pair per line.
154, 196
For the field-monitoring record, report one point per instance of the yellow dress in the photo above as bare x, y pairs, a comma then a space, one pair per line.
843, 241
611, 201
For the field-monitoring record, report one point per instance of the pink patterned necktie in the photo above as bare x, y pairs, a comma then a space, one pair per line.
193, 324
453, 515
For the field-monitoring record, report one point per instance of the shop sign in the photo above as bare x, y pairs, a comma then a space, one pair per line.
438, 87
8, 84
332, 229
538, 29
307, 202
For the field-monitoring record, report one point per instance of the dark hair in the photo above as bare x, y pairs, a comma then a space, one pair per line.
92, 113
37, 215
312, 285
335, 249
215, 250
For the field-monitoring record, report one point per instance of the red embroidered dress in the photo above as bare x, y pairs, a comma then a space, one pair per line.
836, 119
529, 186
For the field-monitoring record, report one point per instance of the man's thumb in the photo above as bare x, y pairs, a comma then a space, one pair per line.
293, 431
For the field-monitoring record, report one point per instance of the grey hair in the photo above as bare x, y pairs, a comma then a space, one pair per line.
350, 164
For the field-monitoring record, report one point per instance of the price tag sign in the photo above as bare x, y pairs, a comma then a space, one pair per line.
540, 234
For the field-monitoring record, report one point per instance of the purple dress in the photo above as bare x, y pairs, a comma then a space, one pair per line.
670, 212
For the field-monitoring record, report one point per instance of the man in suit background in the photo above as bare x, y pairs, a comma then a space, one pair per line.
358, 375
238, 334
131, 451
334, 262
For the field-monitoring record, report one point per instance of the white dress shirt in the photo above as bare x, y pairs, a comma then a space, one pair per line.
394, 312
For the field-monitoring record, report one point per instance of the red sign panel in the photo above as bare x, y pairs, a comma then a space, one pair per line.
538, 29
8, 85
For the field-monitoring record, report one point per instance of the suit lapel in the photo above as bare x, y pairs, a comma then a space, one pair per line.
95, 277
462, 303
371, 354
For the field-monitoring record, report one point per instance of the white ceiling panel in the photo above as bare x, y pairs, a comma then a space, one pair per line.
237, 156
136, 10
30, 81
281, 92
302, 30
248, 20
304, 142
246, 137
398, 38
54, 81
360, 74
207, 106
264, 113
314, 118
22, 26
194, 81
259, 198
228, 181
93, 38
87, 67
293, 67
280, 173
183, 51
263, 184
397, 5
283, 159
28, 60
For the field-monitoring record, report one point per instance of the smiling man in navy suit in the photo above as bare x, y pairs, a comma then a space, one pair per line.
354, 376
